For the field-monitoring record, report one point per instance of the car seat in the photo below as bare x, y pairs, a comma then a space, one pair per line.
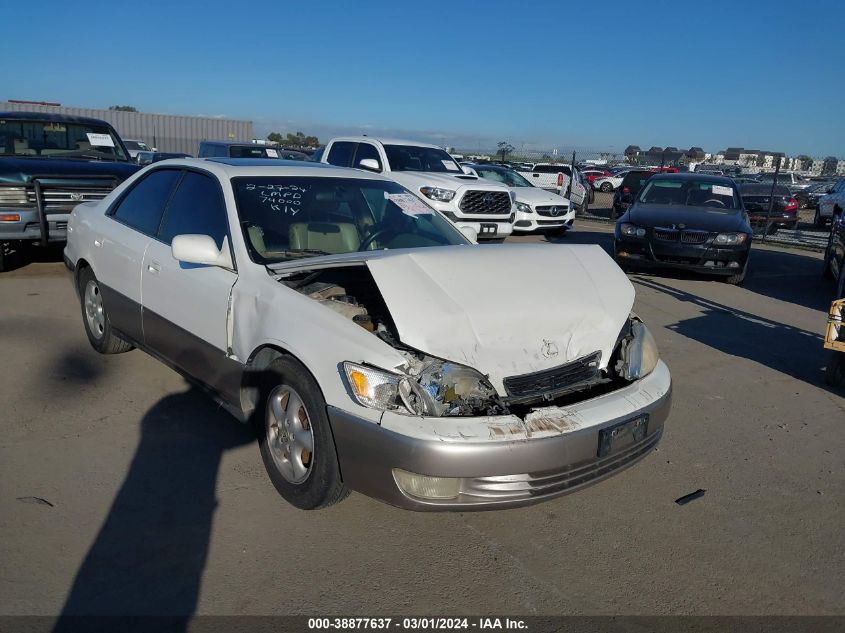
331, 237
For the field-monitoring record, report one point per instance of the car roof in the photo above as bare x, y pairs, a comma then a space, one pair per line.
384, 141
250, 143
696, 175
233, 167
50, 116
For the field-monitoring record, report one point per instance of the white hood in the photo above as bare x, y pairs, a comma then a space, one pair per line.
507, 309
413, 180
538, 197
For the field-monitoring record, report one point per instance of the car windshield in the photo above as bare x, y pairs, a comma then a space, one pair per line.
286, 218
59, 139
133, 145
506, 176
414, 158
690, 193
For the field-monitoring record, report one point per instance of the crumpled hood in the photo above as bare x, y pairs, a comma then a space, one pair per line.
539, 197
507, 309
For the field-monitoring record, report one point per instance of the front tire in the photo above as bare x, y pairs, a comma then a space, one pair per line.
295, 437
835, 372
96, 318
739, 278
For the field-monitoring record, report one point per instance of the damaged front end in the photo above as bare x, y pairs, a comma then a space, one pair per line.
429, 386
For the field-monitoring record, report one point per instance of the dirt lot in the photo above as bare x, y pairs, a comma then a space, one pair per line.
158, 502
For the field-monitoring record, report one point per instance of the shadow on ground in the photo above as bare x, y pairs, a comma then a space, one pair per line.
792, 351
150, 553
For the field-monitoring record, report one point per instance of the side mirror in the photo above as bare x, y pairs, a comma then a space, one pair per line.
470, 233
829, 190
201, 249
370, 164
469, 171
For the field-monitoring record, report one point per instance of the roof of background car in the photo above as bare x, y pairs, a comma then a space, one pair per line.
234, 167
49, 116
695, 175
384, 141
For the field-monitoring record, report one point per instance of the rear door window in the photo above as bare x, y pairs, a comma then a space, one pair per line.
143, 206
341, 154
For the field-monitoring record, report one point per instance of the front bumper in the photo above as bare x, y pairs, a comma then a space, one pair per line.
701, 258
784, 220
501, 461
29, 229
525, 222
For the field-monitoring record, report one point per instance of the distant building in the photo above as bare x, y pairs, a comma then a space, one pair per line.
166, 132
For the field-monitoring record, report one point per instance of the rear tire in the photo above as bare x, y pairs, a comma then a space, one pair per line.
3, 257
95, 317
818, 222
827, 273
297, 445
606, 187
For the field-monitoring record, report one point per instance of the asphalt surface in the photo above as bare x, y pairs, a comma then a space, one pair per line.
159, 504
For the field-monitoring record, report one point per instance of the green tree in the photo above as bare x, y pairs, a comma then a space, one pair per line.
505, 148
123, 108
275, 137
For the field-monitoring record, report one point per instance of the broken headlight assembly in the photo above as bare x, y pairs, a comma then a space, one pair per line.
638, 353
439, 388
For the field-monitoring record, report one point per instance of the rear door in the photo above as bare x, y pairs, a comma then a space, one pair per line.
121, 246
186, 306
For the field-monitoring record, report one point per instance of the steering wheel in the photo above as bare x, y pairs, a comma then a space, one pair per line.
372, 238
719, 202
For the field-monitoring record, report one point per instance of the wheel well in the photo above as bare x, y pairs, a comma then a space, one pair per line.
80, 266
259, 360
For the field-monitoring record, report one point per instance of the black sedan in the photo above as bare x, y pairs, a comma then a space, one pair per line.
768, 207
690, 221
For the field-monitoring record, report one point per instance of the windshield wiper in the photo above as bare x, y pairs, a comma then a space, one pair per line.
305, 252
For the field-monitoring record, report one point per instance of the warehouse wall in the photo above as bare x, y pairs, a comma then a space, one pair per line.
167, 132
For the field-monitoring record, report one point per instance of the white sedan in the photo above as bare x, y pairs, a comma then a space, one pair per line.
373, 346
536, 208
609, 183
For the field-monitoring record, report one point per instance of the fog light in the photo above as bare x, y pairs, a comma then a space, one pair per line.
10, 217
425, 487
733, 265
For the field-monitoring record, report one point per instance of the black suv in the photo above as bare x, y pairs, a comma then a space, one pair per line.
834, 255
627, 191
49, 163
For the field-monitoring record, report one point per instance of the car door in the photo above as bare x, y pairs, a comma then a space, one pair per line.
186, 306
131, 223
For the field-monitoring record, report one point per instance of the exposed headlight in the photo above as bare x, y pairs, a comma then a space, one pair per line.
631, 230
524, 208
449, 389
13, 195
730, 239
436, 193
440, 388
639, 352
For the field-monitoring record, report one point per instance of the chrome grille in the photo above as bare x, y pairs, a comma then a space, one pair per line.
556, 381
486, 202
550, 212
669, 235
67, 198
693, 237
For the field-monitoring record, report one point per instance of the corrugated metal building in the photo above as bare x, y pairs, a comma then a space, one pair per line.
167, 132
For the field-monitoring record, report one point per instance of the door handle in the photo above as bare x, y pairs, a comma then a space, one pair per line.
154, 267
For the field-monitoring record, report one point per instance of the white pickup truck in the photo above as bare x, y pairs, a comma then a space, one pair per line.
473, 204
555, 178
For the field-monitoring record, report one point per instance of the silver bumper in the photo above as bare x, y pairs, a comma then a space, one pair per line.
501, 461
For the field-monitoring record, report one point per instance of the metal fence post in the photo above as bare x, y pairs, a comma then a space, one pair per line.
771, 201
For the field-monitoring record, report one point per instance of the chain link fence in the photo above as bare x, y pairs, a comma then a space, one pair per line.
595, 167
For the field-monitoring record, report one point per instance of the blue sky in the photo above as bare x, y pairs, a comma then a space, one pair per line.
762, 75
